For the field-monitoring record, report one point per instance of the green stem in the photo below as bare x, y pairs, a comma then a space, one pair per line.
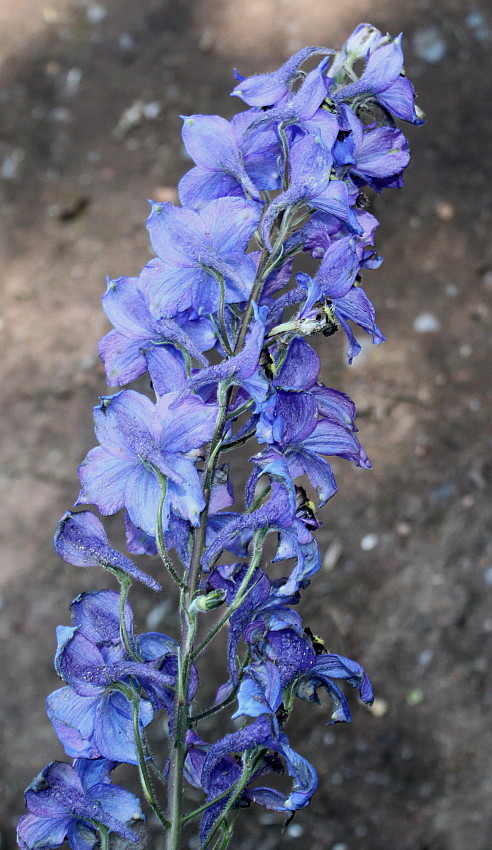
240, 410
257, 502
186, 654
125, 584
145, 779
285, 150
249, 764
226, 447
185, 658
223, 328
205, 806
232, 696
104, 833
161, 546
241, 593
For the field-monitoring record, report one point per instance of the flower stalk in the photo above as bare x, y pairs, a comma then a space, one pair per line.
222, 330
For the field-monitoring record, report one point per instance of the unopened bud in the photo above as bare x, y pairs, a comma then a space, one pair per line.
207, 602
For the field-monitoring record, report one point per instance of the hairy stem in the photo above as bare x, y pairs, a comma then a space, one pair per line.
241, 594
186, 653
143, 771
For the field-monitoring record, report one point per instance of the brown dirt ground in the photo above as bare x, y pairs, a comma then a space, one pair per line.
415, 773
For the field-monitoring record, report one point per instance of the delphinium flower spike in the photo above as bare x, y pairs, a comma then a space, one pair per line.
219, 330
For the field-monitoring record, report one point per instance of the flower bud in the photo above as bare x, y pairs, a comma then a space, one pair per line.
207, 602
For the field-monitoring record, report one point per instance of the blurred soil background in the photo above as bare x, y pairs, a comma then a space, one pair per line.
90, 101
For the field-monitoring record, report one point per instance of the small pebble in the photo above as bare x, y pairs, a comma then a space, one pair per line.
451, 290
415, 697
369, 542
340, 845
474, 19
444, 210
426, 323
9, 168
60, 114
488, 576
429, 44
332, 555
403, 529
475, 22
72, 83
379, 707
126, 41
151, 110
294, 830
329, 739
425, 657
96, 13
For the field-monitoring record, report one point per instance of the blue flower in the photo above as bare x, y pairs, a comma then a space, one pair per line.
382, 77
231, 158
347, 303
139, 442
74, 803
311, 183
139, 342
195, 251
268, 89
81, 540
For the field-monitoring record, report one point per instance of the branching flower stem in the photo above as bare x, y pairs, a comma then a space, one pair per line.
186, 651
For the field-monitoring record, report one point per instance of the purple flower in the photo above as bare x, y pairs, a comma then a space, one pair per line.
231, 158
75, 803
347, 301
139, 342
220, 771
94, 715
382, 77
81, 540
284, 660
268, 89
299, 106
140, 445
195, 251
311, 183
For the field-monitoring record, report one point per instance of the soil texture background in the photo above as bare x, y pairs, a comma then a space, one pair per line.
90, 101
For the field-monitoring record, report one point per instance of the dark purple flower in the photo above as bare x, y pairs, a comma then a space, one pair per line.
74, 803
81, 540
93, 715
